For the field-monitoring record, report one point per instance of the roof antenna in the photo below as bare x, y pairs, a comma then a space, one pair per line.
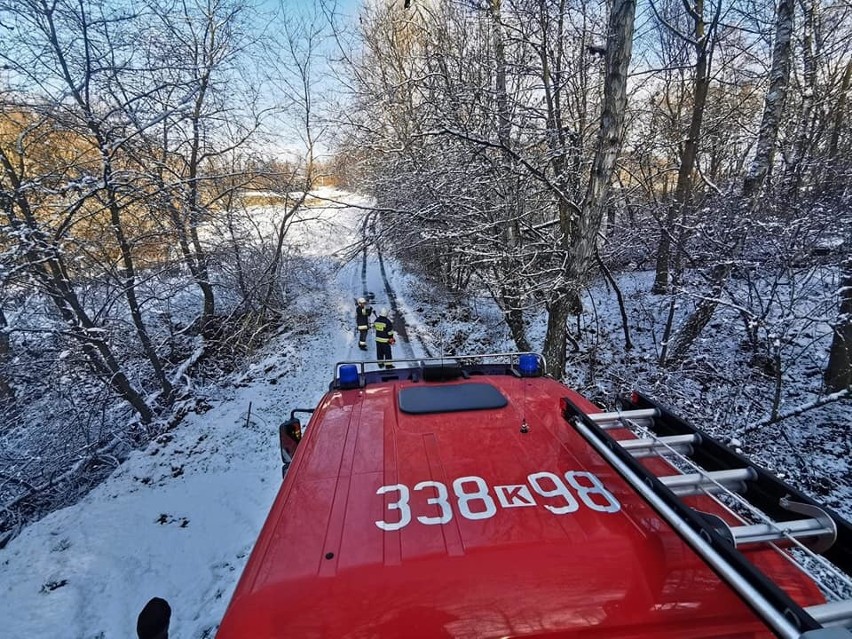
525, 427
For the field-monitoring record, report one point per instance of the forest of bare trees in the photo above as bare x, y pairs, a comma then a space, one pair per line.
528, 147
131, 138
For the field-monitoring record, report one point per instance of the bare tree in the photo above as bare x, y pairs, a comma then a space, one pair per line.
838, 373
7, 393
99, 51
735, 233
295, 70
207, 36
702, 40
779, 76
583, 226
44, 260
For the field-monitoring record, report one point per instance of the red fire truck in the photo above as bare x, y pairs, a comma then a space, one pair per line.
475, 497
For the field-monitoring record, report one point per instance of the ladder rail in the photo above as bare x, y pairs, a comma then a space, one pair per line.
693, 532
837, 613
649, 446
766, 492
718, 478
812, 538
620, 419
764, 596
758, 533
823, 531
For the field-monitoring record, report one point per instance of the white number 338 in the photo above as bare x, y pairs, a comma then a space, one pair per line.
474, 501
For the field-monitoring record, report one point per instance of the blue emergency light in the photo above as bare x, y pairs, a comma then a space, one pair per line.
349, 375
528, 365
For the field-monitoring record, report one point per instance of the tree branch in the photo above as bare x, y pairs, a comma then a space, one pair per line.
799, 410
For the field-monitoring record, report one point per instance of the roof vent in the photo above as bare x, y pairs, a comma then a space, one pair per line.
441, 372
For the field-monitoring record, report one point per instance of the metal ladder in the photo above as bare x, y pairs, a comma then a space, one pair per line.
783, 516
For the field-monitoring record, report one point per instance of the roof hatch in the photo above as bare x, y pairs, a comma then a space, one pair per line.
446, 399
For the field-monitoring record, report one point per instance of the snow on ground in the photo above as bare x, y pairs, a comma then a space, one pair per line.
178, 519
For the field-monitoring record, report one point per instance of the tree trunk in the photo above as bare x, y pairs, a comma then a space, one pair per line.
190, 259
838, 373
504, 124
203, 274
695, 323
773, 108
840, 112
683, 190
580, 228
7, 393
514, 315
795, 169
625, 322
129, 282
556, 337
836, 178
619, 49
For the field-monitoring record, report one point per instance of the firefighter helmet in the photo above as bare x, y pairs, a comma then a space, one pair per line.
384, 312
361, 300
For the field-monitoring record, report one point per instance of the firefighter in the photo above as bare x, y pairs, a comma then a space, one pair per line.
362, 321
384, 338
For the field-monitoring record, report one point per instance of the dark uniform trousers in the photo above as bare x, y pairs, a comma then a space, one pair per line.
383, 351
384, 333
362, 321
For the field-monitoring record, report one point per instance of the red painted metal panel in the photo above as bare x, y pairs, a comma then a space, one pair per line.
486, 535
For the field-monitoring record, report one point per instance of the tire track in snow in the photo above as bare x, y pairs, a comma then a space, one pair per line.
399, 317
354, 353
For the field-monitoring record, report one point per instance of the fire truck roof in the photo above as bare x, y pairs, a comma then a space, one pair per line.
469, 507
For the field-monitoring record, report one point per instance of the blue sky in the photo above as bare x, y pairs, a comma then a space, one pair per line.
344, 6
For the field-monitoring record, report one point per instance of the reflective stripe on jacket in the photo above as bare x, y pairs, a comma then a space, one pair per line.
384, 329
